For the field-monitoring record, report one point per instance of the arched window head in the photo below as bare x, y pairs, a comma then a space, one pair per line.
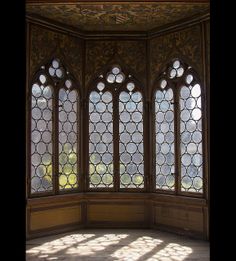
115, 75
57, 70
178, 129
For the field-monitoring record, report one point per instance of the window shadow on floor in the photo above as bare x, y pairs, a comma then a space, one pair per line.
117, 244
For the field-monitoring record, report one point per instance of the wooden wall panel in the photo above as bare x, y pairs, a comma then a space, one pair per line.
180, 217
45, 43
184, 44
47, 218
116, 213
131, 53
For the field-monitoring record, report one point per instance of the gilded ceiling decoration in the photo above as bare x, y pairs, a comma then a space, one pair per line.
117, 17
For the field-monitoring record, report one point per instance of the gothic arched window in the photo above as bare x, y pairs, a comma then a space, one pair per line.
178, 130
116, 150
54, 130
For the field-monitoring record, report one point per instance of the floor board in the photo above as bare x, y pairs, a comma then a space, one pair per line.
117, 244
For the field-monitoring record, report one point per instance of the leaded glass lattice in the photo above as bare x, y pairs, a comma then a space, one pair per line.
164, 129
191, 137
100, 139
41, 136
68, 133
131, 139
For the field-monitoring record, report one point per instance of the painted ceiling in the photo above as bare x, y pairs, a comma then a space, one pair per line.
139, 16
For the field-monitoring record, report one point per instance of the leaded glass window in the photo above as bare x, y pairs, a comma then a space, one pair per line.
54, 130
178, 130
116, 148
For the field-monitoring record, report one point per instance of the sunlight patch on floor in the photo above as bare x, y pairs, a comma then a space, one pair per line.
134, 245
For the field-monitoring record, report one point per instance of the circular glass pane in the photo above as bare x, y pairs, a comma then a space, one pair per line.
35, 159
107, 158
185, 92
42, 78
137, 179
136, 97
51, 71
111, 78
41, 148
36, 90
35, 136
136, 116
95, 179
125, 158
196, 114
197, 136
101, 169
124, 96
197, 183
94, 117
120, 78
59, 73
186, 159
130, 86
125, 179
72, 96
186, 182
47, 92
46, 136
55, 64
172, 73
163, 84
100, 86
180, 71
189, 78
107, 117
137, 137
186, 137
131, 147
94, 97
131, 127
176, 64
107, 97
115, 70
72, 179
41, 125
107, 179
68, 83
196, 90
137, 158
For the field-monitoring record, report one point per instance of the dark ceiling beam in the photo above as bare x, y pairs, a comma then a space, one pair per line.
111, 2
60, 27
128, 35
178, 25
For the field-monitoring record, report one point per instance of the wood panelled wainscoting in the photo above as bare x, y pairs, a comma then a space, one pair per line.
62, 213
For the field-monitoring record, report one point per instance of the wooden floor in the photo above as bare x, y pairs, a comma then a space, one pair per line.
117, 244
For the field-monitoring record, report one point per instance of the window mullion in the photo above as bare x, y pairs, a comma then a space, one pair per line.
55, 140
116, 156
177, 140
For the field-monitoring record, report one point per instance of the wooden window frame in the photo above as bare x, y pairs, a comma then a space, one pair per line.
115, 89
175, 84
56, 85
